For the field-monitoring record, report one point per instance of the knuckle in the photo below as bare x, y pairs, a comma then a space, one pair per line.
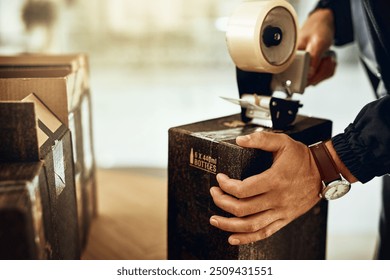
283, 199
238, 192
267, 233
234, 189
319, 40
238, 211
223, 185
284, 204
252, 227
284, 137
278, 179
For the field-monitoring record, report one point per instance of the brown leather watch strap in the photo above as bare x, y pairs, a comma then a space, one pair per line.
326, 165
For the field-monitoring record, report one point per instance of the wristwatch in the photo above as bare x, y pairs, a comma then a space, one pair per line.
334, 185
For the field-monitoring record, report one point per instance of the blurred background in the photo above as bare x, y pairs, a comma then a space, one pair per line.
159, 64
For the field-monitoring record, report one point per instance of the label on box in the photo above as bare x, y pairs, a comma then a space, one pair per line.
203, 161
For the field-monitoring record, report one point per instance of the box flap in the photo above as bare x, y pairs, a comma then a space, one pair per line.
36, 60
48, 123
51, 91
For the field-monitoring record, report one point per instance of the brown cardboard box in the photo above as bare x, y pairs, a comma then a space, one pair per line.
52, 141
22, 233
197, 152
77, 63
73, 69
74, 63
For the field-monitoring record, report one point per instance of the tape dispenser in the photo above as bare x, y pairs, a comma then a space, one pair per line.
261, 38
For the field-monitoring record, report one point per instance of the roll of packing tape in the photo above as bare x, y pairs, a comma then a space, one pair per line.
262, 36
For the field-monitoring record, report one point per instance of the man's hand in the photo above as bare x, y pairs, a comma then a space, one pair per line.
266, 202
316, 37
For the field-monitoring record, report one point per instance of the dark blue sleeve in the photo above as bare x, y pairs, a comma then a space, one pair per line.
342, 19
364, 147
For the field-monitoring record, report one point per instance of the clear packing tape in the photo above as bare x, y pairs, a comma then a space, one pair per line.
262, 36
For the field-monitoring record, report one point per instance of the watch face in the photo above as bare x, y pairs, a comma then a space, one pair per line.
336, 189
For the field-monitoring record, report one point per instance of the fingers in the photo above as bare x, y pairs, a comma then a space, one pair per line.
302, 42
250, 223
266, 141
316, 37
249, 237
325, 70
241, 207
316, 49
265, 181
251, 186
264, 203
249, 229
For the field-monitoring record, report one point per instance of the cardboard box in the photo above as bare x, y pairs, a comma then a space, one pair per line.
197, 152
22, 233
77, 63
48, 65
52, 141
70, 75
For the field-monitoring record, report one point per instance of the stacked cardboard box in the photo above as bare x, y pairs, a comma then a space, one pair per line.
22, 233
57, 85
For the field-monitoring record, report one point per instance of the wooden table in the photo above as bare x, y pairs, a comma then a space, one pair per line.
132, 219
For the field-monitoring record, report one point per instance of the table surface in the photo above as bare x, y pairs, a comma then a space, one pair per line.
132, 216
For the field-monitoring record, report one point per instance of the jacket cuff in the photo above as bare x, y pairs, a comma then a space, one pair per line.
351, 158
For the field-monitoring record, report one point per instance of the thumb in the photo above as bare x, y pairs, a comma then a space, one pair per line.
315, 58
266, 141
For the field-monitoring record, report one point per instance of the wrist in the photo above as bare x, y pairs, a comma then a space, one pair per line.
324, 15
340, 165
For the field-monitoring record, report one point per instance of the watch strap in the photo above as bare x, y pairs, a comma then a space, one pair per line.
325, 163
